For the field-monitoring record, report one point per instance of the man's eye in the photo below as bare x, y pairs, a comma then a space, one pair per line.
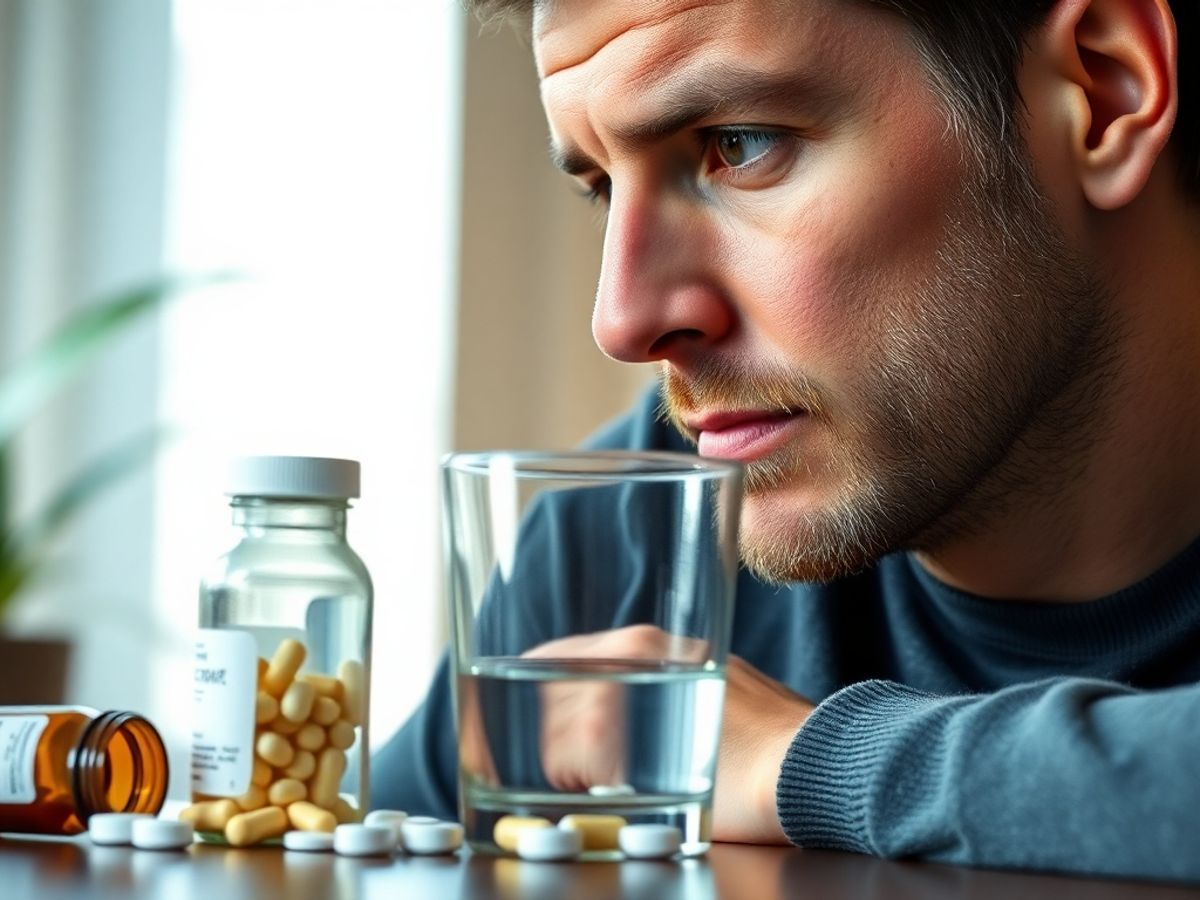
737, 147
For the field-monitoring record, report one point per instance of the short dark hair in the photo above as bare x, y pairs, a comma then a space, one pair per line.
973, 48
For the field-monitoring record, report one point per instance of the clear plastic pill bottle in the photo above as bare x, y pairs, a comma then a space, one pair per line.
282, 656
59, 765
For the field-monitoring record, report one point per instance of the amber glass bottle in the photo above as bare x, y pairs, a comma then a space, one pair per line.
61, 764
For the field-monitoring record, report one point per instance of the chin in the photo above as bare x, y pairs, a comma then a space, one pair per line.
788, 534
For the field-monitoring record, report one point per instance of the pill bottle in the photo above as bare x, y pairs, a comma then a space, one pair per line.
59, 765
282, 667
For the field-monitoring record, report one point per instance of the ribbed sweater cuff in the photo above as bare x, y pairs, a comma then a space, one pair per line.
823, 794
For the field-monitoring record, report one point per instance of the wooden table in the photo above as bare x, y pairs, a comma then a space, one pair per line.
48, 870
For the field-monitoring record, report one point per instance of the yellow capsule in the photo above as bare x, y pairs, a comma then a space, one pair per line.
325, 711
262, 775
599, 832
310, 737
211, 815
286, 791
324, 685
306, 816
331, 766
302, 767
254, 798
275, 749
251, 827
354, 690
288, 658
508, 828
283, 726
266, 708
297, 701
341, 735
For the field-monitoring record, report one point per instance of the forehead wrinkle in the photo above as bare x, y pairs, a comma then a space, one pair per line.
546, 42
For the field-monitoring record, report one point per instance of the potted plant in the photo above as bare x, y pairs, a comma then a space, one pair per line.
34, 671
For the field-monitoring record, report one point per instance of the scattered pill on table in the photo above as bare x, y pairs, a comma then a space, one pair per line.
508, 829
113, 828
599, 832
308, 841
549, 844
649, 841
389, 818
363, 840
161, 834
430, 838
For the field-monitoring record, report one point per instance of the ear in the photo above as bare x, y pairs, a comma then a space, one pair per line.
1116, 67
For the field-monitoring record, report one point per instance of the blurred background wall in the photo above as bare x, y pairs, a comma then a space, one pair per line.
417, 279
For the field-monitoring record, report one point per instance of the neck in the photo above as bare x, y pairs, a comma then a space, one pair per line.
1082, 525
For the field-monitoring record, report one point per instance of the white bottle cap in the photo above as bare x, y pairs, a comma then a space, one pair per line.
300, 477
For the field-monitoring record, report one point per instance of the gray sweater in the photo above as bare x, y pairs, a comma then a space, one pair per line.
951, 728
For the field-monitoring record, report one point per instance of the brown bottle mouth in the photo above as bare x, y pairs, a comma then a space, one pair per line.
120, 766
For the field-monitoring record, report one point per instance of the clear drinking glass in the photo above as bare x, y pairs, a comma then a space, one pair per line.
591, 598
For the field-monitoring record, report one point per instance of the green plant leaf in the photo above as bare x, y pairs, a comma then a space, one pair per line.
24, 551
33, 380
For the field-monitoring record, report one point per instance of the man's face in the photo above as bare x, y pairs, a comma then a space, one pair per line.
870, 317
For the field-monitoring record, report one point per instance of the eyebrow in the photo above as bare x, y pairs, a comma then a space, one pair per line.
690, 99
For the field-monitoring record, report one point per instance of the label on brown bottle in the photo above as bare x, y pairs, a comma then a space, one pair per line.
19, 736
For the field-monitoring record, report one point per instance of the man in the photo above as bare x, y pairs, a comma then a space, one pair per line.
929, 269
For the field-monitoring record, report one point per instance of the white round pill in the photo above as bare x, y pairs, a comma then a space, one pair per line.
162, 834
363, 840
389, 818
425, 837
649, 840
113, 828
549, 844
308, 841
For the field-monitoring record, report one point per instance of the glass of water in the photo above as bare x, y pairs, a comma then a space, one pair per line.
591, 598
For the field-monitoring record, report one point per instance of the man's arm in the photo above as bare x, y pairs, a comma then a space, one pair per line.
1064, 774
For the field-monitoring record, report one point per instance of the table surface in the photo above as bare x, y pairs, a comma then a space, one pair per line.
49, 869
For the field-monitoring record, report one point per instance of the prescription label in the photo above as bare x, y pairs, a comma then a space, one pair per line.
224, 688
19, 736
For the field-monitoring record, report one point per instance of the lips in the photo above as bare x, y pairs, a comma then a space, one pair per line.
744, 435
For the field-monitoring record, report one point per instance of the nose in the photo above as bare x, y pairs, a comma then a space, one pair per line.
659, 296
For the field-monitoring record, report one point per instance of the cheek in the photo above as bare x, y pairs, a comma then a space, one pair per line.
821, 268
